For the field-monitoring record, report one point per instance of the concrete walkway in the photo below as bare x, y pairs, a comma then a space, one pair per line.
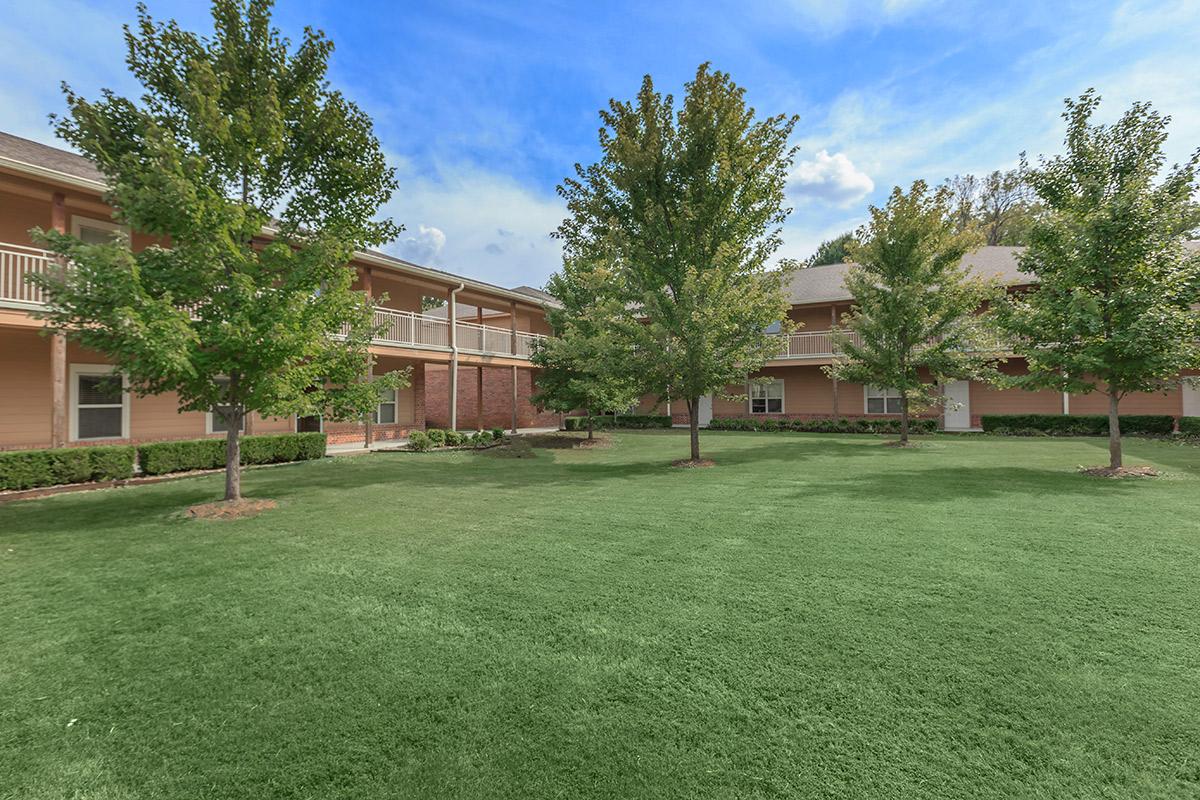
355, 448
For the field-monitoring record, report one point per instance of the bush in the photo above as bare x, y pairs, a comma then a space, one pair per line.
30, 469
498, 434
455, 438
481, 438
634, 421
160, 458
824, 425
437, 436
1075, 425
1189, 426
420, 441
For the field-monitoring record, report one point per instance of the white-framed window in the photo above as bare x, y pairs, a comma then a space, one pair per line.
215, 420
385, 414
766, 398
881, 400
95, 231
99, 403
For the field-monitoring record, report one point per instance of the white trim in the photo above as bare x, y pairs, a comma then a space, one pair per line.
74, 371
782, 397
17, 165
79, 221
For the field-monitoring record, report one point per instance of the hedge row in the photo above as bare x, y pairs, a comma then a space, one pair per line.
620, 421
29, 469
830, 425
423, 441
1072, 425
1189, 426
159, 458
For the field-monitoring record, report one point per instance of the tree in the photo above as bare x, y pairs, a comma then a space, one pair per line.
913, 323
1112, 309
583, 362
685, 208
831, 251
996, 205
233, 134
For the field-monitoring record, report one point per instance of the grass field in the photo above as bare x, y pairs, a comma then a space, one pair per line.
818, 616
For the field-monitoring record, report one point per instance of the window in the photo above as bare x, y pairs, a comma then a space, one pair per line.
881, 400
766, 398
218, 417
95, 231
386, 413
99, 404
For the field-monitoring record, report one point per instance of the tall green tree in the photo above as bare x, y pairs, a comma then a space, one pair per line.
686, 207
583, 363
234, 132
831, 251
1112, 309
914, 323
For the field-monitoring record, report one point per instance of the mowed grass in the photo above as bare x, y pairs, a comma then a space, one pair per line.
818, 616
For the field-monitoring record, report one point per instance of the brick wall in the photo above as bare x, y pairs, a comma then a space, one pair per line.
497, 398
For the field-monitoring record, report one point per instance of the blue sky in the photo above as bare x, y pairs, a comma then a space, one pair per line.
484, 107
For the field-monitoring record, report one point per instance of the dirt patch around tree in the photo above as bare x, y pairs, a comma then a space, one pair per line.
563, 441
687, 463
236, 509
904, 445
1120, 472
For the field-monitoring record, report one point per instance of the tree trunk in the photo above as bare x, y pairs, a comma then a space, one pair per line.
591, 424
904, 418
693, 406
233, 455
1114, 431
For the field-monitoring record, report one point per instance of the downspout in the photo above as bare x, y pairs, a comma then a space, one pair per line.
452, 313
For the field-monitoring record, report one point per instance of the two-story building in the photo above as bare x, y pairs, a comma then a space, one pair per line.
801, 389
52, 391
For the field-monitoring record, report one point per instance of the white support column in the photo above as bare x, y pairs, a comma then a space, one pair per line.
452, 315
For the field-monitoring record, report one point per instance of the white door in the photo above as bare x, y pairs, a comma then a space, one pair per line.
958, 405
705, 415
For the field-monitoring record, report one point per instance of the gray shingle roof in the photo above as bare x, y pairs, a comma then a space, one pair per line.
41, 155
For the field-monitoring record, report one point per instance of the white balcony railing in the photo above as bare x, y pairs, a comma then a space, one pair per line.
807, 344
17, 261
403, 328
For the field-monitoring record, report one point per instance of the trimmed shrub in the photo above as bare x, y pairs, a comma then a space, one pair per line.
420, 441
160, 458
455, 438
631, 421
498, 434
30, 469
1189, 426
437, 436
825, 425
1075, 425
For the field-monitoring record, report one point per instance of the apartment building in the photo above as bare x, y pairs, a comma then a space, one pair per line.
469, 358
801, 389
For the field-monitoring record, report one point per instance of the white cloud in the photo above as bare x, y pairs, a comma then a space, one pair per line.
422, 248
832, 178
475, 222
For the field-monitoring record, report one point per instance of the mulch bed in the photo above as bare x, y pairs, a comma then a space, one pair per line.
562, 441
235, 509
1120, 472
687, 463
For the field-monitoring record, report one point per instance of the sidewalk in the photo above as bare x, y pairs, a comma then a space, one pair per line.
356, 448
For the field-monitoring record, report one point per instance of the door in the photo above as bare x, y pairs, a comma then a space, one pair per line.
958, 405
705, 412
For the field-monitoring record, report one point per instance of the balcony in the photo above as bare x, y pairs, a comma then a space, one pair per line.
399, 328
807, 344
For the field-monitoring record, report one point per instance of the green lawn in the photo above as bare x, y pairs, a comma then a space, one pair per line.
818, 616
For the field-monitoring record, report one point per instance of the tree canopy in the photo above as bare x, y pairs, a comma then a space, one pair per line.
913, 323
259, 182
1113, 306
685, 207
